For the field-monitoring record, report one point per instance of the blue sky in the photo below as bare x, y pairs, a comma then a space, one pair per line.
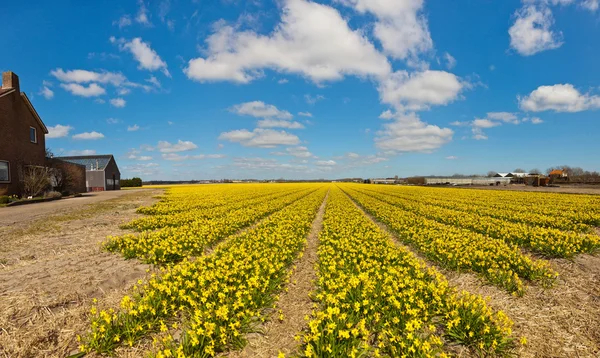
192, 89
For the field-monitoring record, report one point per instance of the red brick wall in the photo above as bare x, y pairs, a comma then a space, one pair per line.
15, 146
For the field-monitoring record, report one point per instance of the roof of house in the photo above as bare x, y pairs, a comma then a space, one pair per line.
503, 175
91, 162
556, 172
34, 112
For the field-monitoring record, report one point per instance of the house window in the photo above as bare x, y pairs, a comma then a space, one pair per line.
4, 172
32, 135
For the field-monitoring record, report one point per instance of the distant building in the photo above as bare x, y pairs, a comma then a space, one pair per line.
22, 140
101, 171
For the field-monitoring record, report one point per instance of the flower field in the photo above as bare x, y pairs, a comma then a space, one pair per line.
224, 253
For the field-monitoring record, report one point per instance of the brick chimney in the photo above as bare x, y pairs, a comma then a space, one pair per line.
10, 80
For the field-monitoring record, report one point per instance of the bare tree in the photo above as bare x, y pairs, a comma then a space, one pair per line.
535, 171
491, 173
36, 180
519, 170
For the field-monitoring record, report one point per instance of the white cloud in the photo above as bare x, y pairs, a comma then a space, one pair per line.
352, 155
93, 90
84, 76
452, 157
478, 134
144, 158
407, 133
260, 109
263, 165
536, 120
305, 114
283, 81
180, 146
154, 81
47, 92
279, 123
297, 45
58, 131
326, 163
88, 136
112, 120
387, 114
133, 128
504, 117
558, 98
81, 152
123, 21
484, 123
459, 124
591, 5
123, 91
531, 33
312, 100
178, 158
118, 102
450, 61
147, 58
142, 15
401, 28
298, 152
420, 90
262, 138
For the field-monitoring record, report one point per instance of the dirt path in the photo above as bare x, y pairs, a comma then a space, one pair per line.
16, 215
50, 270
293, 304
563, 321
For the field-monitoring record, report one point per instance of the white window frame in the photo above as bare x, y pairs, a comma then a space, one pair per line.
35, 135
8, 165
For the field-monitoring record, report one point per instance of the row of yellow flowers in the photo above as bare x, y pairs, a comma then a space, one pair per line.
548, 241
183, 198
178, 218
378, 299
500, 263
565, 212
174, 243
218, 297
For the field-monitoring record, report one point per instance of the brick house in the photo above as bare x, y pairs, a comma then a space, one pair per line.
101, 171
22, 134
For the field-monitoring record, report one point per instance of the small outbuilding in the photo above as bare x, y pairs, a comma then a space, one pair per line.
101, 171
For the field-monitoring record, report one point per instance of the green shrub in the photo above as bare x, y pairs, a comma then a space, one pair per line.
129, 183
4, 199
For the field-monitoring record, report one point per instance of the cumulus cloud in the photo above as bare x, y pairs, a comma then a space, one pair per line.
420, 90
118, 102
88, 136
180, 146
133, 128
178, 157
558, 98
93, 90
484, 123
326, 163
451, 157
400, 27
297, 45
142, 15
259, 137
260, 109
591, 5
45, 91
305, 114
478, 134
536, 120
84, 76
313, 99
531, 33
279, 123
58, 131
298, 152
147, 58
407, 133
504, 117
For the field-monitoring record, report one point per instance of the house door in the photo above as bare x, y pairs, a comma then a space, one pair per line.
114, 185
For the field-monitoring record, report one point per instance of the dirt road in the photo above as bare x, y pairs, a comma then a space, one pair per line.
52, 266
17, 214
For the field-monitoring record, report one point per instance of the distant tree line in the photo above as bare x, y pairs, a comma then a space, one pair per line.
130, 183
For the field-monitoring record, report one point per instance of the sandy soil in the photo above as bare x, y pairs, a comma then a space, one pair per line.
568, 189
563, 321
51, 268
294, 304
